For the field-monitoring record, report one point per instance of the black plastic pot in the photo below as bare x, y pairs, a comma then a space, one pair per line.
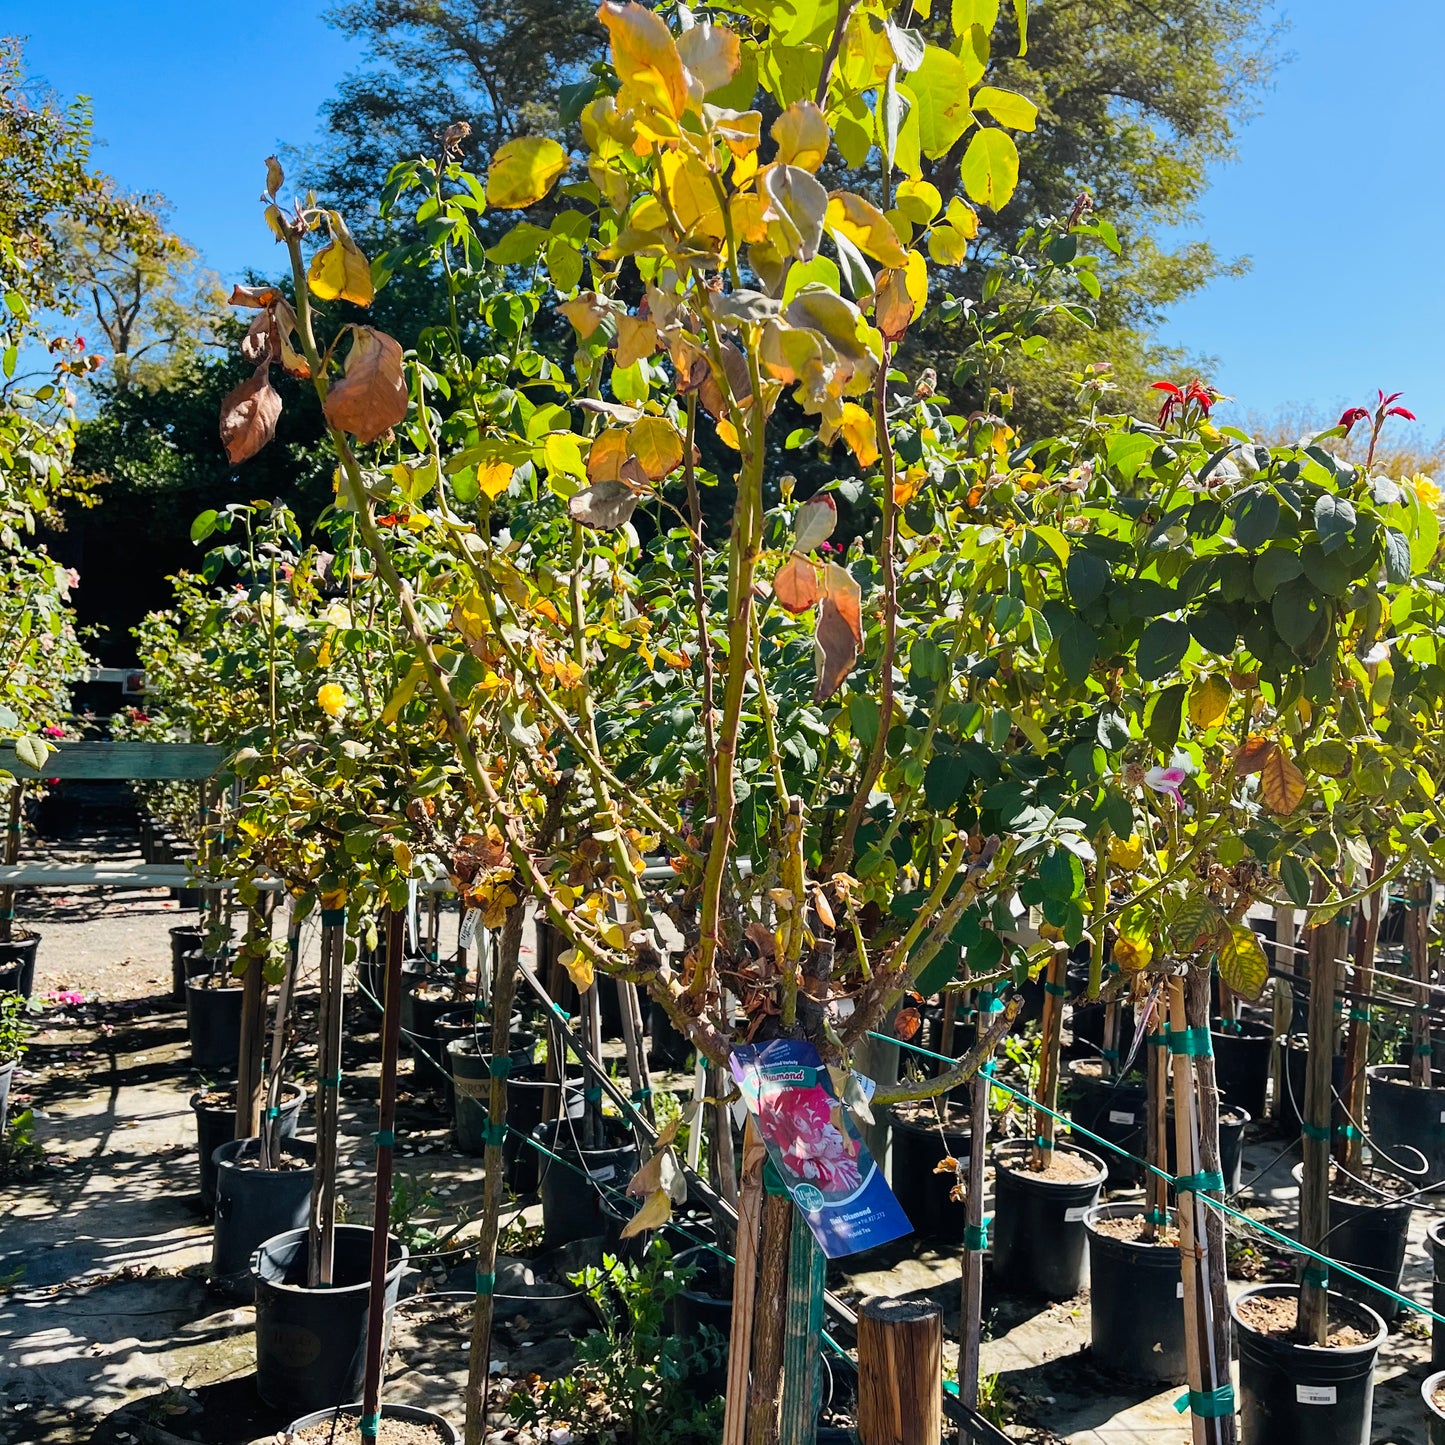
216, 1125
1039, 1239
528, 1098
7, 1072
1405, 1118
706, 1302
464, 1021
17, 964
1433, 1412
253, 1205
1292, 1084
419, 1015
1435, 1238
1136, 1303
1293, 1394
311, 1343
1241, 1064
918, 1145
571, 1207
1114, 1109
668, 1049
1232, 1124
213, 1023
187, 941
1371, 1239
447, 1432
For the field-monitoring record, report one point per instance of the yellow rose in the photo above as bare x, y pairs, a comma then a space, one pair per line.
1132, 954
331, 699
1126, 853
1426, 489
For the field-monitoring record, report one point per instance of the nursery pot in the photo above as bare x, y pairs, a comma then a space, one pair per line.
311, 1343
706, 1302
1241, 1064
187, 941
920, 1141
1434, 1413
1231, 1146
668, 1049
419, 1015
1039, 1239
252, 1205
1405, 1118
1136, 1302
7, 1072
528, 1096
216, 1125
1435, 1238
571, 1207
1116, 1110
462, 1021
446, 1434
1371, 1238
1292, 1084
1294, 1394
17, 964
213, 1022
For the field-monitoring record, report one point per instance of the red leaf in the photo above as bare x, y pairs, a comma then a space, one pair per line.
1401, 411
249, 415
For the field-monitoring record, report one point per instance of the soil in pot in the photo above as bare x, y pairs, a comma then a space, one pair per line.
1135, 1301
1432, 1392
1295, 1394
1115, 1109
1039, 1238
399, 1425
924, 1134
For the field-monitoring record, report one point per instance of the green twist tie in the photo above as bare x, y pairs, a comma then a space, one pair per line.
1201, 1183
273, 1112
495, 1134
641, 1096
1194, 1042
988, 1003
1314, 1275
1058, 990
331, 1083
1348, 1131
1208, 1404
1157, 1216
1421, 1050
336, 918
1360, 1015
1044, 1143
499, 1066
773, 1181
1313, 1131
486, 1283
987, 1067
976, 1237
1110, 1056
593, 1095
385, 1138
1158, 1041
371, 1425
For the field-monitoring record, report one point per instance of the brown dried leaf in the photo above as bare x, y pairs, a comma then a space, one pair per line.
655, 1212
257, 342
604, 505
616, 410
371, 397
796, 585
1252, 754
907, 1023
636, 339
254, 295
947, 1165
249, 415
839, 635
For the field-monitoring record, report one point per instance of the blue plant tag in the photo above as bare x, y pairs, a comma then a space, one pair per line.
816, 1148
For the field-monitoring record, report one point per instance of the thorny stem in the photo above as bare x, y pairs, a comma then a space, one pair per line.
699, 593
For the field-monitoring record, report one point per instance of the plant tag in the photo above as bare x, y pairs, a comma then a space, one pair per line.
413, 923
1314, 1394
1442, 1116
603, 1174
467, 933
1179, 1290
1073, 1216
1120, 1116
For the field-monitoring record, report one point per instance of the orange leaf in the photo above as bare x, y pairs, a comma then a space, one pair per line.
907, 1023
839, 635
606, 455
1282, 784
248, 416
371, 397
796, 585
1252, 754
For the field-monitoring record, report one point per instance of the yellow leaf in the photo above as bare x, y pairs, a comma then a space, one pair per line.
802, 136
562, 452
608, 452
522, 172
746, 210
947, 245
900, 297
712, 54
403, 694
636, 339
1242, 963
1126, 853
860, 433
657, 445
494, 477
866, 226
655, 1212
690, 190
579, 968
646, 59
728, 434
339, 270
1209, 700
1133, 954
1281, 783
920, 201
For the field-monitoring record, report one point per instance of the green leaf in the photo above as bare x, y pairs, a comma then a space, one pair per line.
1162, 648
1007, 107
1256, 518
1127, 452
1276, 566
1425, 535
940, 88
1334, 520
1061, 874
1078, 646
863, 718
1088, 576
1054, 539
204, 525
1397, 556
32, 751
1214, 629
1165, 714
1296, 609
1242, 964
1296, 879
1021, 17
944, 780
990, 168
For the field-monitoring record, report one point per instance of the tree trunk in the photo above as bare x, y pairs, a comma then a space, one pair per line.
328, 1097
1350, 1149
766, 1386
745, 1285
13, 825
1050, 1043
970, 1324
250, 1085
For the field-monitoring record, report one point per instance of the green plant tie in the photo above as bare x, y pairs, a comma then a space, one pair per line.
1422, 1049
1058, 990
1348, 1131
641, 1096
273, 1112
1208, 1404
1044, 1143
1313, 1131
593, 1095
1200, 1183
486, 1283
371, 1425
989, 1003
1359, 1015
772, 1180
385, 1138
336, 918
976, 1236
1194, 1042
1230, 1026
331, 1083
987, 1067
1111, 1056
499, 1066
1312, 1274
1158, 1040
495, 1135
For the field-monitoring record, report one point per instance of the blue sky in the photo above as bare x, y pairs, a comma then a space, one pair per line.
1337, 196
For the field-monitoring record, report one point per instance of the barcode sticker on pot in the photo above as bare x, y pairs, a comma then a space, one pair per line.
1442, 1116
1314, 1394
603, 1174
1179, 1290
1120, 1116
1073, 1216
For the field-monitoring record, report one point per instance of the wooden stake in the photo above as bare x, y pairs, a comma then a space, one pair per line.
1156, 1148
1282, 1006
900, 1372
745, 1285
13, 825
1051, 1028
722, 1160
766, 1384
1350, 1149
1417, 946
970, 1322
802, 1388
328, 1097
250, 1060
271, 1133
385, 1151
